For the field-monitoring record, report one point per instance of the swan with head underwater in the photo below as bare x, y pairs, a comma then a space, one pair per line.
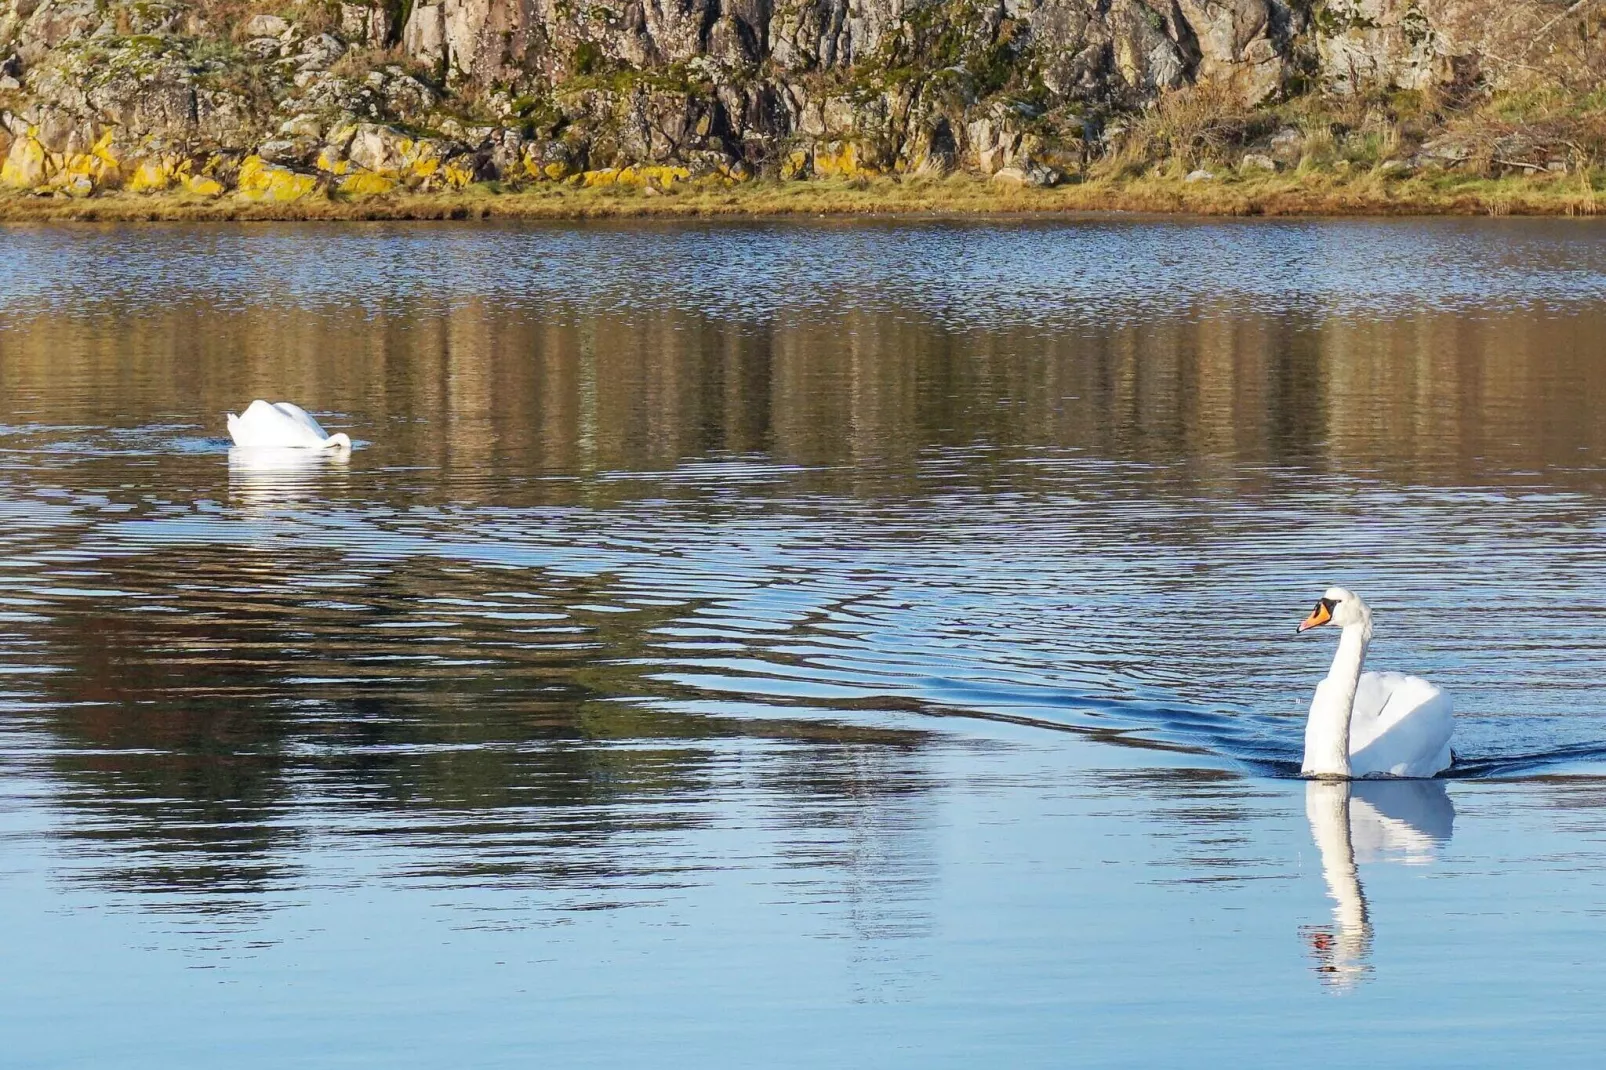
1370, 724
281, 425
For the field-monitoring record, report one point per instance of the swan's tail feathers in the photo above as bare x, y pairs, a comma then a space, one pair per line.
234, 428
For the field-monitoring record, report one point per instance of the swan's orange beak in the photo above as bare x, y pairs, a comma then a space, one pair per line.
1318, 616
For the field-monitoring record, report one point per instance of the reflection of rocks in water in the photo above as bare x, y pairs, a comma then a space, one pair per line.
1366, 820
168, 752
475, 386
473, 717
1203, 813
859, 821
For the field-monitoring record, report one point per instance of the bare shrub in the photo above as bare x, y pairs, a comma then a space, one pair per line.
1192, 126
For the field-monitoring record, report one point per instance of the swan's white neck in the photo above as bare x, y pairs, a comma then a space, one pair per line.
1327, 730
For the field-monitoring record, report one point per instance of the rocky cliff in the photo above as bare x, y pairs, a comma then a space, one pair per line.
221, 96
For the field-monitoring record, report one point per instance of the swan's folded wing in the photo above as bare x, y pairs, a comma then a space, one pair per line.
1401, 725
301, 416
256, 426
260, 410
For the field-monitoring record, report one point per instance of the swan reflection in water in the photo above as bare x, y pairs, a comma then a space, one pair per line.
262, 480
1366, 821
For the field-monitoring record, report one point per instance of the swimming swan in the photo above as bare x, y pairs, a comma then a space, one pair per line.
1375, 723
281, 425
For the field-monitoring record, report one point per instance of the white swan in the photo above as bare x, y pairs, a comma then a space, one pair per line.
1375, 723
279, 426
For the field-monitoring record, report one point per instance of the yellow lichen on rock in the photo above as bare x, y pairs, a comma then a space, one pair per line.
537, 166
204, 186
634, 177
662, 175
100, 164
152, 175
27, 165
263, 181
330, 160
78, 165
458, 172
424, 167
796, 165
840, 159
365, 184
103, 148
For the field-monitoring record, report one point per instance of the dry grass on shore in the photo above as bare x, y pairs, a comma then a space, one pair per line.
1288, 194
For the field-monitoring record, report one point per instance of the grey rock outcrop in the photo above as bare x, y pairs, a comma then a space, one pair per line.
1390, 43
162, 91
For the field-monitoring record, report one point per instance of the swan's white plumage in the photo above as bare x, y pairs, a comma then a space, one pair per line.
1374, 723
281, 425
1400, 726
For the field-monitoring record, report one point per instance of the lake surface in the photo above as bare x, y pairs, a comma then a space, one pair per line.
796, 644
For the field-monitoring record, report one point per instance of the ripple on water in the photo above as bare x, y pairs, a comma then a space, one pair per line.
960, 483
896, 614
1035, 607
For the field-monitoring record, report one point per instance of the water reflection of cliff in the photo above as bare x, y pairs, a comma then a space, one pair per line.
205, 728
1434, 397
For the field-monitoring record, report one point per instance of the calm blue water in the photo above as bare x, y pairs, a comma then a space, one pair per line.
791, 644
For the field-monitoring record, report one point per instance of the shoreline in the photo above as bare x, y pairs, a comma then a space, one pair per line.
1296, 194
